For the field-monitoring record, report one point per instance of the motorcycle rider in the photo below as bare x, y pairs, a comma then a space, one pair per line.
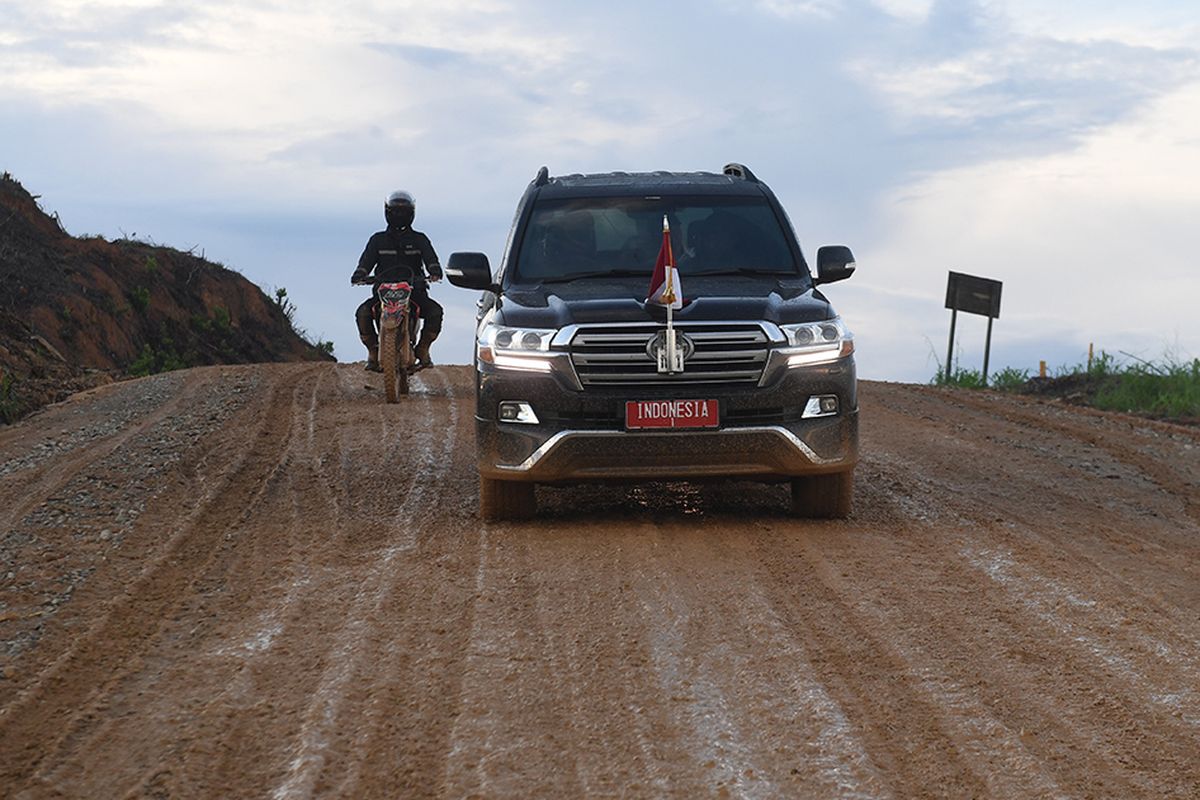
398, 254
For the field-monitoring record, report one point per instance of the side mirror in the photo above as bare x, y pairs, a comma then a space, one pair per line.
469, 270
834, 263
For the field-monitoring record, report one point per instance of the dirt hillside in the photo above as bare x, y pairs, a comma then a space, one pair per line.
78, 312
264, 582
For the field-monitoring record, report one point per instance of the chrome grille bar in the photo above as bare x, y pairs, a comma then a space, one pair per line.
616, 355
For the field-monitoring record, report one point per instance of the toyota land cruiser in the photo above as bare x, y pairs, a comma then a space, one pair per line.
571, 386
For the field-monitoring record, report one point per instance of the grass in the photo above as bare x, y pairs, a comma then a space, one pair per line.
1168, 389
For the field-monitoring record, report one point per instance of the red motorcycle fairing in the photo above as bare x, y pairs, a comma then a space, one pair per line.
393, 299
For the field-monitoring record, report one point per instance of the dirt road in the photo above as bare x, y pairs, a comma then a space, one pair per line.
263, 582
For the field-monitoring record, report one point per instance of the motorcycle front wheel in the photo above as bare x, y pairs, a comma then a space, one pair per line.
406, 353
388, 359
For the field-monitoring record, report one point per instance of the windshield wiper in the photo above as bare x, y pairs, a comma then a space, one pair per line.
608, 273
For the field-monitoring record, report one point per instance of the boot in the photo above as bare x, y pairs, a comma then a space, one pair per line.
372, 345
422, 351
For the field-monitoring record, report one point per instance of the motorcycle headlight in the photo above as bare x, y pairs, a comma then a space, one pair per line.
515, 348
817, 342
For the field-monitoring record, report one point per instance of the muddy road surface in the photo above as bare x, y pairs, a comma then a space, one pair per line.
263, 582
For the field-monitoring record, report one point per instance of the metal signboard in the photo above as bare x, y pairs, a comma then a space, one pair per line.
973, 295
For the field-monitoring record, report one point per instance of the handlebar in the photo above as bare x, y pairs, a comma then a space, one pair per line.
431, 279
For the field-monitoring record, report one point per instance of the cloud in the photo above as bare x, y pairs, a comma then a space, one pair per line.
791, 9
423, 56
1093, 245
865, 117
356, 147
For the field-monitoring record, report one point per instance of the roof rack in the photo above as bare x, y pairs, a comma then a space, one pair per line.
735, 170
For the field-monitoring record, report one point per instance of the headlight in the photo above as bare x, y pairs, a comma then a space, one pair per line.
817, 342
514, 348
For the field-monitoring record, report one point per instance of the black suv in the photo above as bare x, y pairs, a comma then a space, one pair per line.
572, 384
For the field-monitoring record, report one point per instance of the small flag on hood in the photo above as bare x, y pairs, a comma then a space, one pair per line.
664, 283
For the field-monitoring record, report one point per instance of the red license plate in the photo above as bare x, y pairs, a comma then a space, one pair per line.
643, 414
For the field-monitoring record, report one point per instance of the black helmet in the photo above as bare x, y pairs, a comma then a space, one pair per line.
399, 209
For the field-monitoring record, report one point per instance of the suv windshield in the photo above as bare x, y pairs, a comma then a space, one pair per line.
598, 236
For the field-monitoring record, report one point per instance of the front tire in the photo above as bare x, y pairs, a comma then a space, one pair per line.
387, 359
406, 355
501, 500
823, 496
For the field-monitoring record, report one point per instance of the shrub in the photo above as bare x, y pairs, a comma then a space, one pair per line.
153, 360
1009, 379
11, 406
139, 298
221, 319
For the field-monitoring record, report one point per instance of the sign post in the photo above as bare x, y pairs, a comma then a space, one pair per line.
973, 295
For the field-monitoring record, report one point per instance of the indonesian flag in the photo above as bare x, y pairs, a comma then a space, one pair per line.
664, 283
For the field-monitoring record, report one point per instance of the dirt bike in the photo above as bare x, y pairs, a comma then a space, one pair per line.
397, 322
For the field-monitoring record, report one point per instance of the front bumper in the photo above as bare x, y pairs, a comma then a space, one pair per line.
580, 435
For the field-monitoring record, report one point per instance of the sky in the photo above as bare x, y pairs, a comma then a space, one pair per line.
1053, 146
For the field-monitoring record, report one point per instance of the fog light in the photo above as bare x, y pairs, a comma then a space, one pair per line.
516, 411
822, 405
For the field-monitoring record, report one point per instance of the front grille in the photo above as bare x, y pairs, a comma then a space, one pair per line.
615, 355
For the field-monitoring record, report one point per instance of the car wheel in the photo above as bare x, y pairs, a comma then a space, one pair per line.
823, 496
501, 500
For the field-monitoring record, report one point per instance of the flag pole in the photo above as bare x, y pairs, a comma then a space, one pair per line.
669, 297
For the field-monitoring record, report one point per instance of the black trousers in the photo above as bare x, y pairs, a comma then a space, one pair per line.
429, 309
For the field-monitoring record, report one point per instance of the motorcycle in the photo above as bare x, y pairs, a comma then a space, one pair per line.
397, 323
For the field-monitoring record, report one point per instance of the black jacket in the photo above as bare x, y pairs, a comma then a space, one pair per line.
399, 255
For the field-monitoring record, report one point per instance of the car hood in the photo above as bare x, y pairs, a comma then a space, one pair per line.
712, 299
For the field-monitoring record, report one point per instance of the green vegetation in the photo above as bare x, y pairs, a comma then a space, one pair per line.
963, 378
10, 405
1169, 389
151, 264
221, 319
286, 306
289, 312
1009, 379
139, 298
157, 359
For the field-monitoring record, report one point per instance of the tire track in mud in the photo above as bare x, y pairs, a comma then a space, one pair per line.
240, 586
666, 687
338, 637
269, 585
63, 556
90, 668
752, 704
1047, 600
1133, 546
81, 430
1084, 428
390, 756
924, 726
1040, 675
513, 703
357, 643
275, 586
